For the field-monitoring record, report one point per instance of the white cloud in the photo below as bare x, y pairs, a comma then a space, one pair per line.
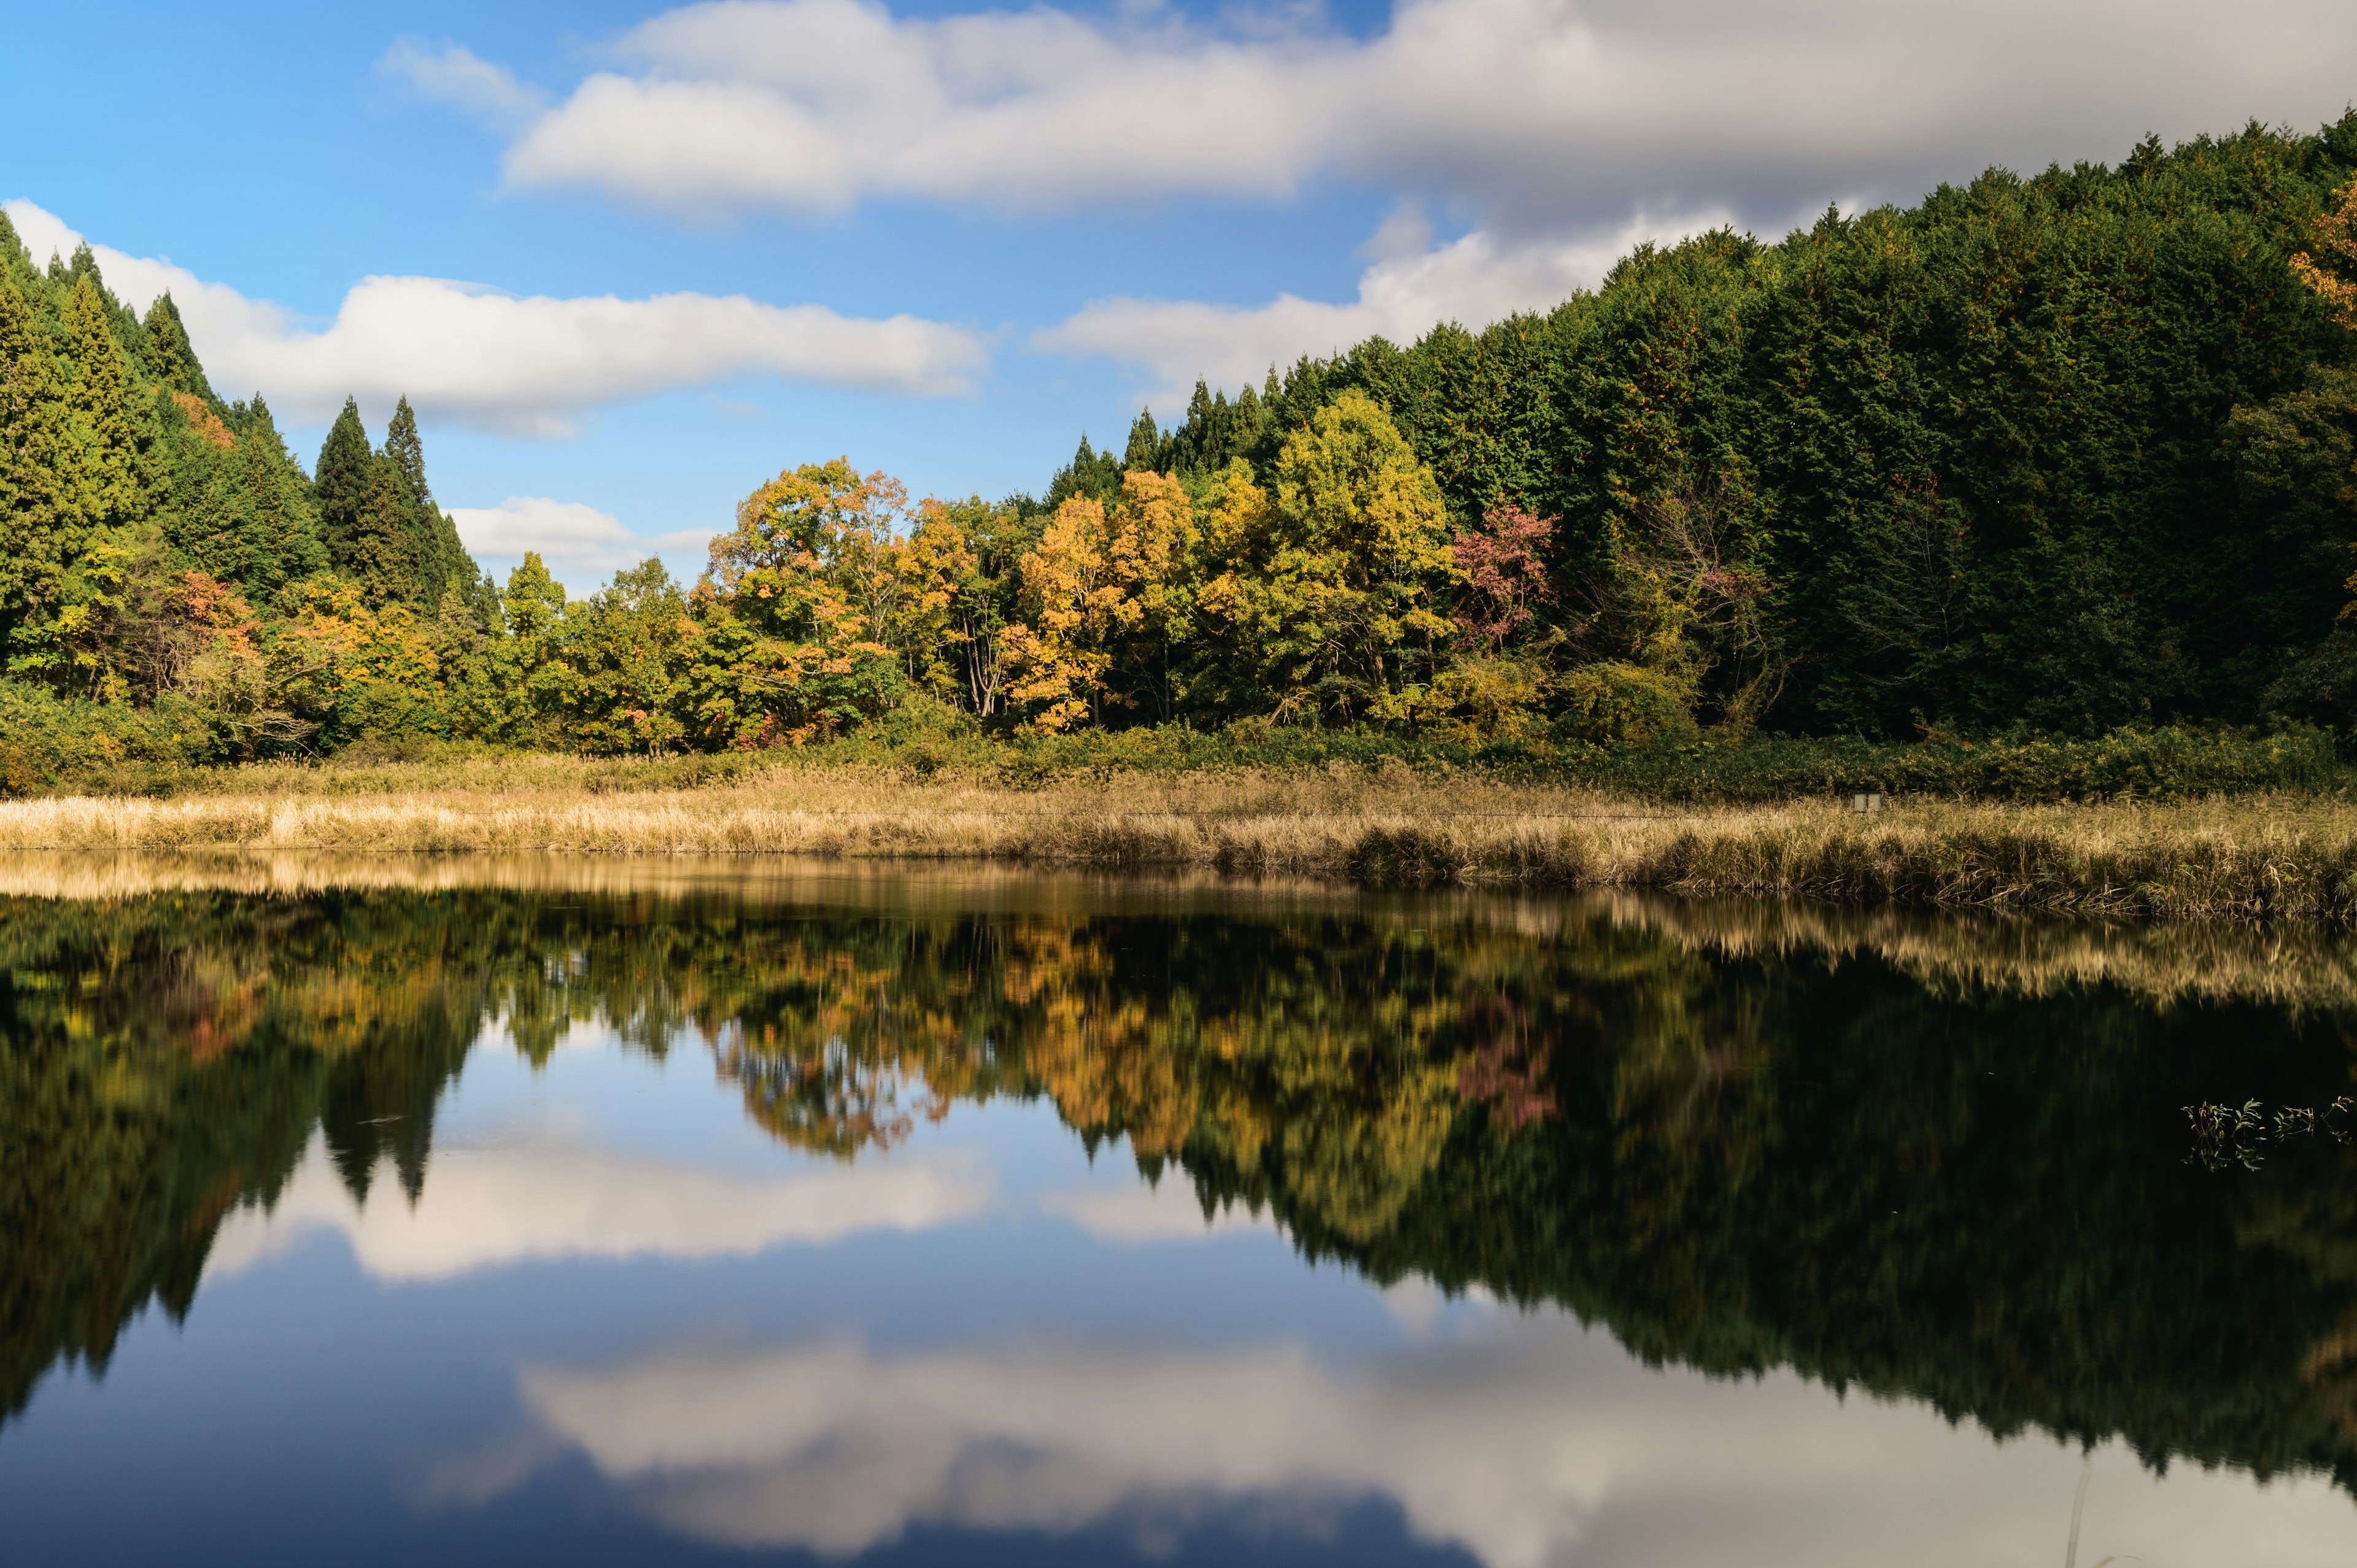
471, 355
564, 531
1528, 1442
1473, 281
1545, 109
543, 1198
579, 542
457, 77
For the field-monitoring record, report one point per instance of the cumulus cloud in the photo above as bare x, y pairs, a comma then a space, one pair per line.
530, 366
1473, 281
1527, 1443
577, 541
542, 1198
1529, 110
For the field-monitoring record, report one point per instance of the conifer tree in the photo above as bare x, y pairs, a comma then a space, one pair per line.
341, 483
441, 559
1146, 448
98, 402
408, 452
384, 546
283, 526
169, 353
32, 442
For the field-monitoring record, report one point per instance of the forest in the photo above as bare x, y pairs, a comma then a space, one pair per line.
2061, 455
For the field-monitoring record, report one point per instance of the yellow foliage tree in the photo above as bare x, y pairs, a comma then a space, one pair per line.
374, 670
785, 640
1150, 559
1058, 659
953, 615
1330, 582
2336, 236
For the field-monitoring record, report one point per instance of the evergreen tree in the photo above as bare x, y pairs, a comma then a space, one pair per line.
385, 545
341, 483
408, 452
1147, 451
282, 524
442, 559
99, 404
1093, 473
169, 353
36, 457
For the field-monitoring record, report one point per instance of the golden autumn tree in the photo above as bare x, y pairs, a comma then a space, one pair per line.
1330, 581
785, 635
358, 669
1057, 658
1150, 557
958, 601
2335, 278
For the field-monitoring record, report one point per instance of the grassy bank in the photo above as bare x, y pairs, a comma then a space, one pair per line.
2256, 856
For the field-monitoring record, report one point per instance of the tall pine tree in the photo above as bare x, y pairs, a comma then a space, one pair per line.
169, 353
433, 539
384, 546
341, 484
105, 425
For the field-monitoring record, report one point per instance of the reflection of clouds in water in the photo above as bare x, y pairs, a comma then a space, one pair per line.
1529, 1444
1417, 1305
1139, 1214
544, 1198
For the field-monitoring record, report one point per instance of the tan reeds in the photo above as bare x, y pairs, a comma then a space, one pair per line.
2253, 857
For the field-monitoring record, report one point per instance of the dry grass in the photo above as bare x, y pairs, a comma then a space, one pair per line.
2244, 858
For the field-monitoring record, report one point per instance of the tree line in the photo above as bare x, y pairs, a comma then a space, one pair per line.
2069, 452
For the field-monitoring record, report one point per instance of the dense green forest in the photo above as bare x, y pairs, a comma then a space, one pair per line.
2071, 452
1936, 1166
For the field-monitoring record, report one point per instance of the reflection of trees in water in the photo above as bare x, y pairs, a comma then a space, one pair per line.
1735, 1156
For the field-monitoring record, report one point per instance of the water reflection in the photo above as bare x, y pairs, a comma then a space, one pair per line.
550, 1197
1940, 1163
1524, 1442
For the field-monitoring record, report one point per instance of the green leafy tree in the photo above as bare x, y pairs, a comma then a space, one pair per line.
539, 679
1343, 600
623, 644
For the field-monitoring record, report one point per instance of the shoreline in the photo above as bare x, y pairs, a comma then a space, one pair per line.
2272, 857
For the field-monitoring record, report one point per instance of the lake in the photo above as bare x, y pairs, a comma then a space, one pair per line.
500, 1211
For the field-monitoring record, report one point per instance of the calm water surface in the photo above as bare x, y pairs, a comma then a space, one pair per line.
602, 1216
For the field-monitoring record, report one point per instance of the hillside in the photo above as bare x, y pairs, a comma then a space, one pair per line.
2069, 452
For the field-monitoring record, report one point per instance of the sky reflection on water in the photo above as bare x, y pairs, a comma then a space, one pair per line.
1161, 1286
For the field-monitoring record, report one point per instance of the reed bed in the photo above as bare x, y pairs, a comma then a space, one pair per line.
2252, 857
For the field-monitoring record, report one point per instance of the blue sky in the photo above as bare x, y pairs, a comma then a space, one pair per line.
945, 241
